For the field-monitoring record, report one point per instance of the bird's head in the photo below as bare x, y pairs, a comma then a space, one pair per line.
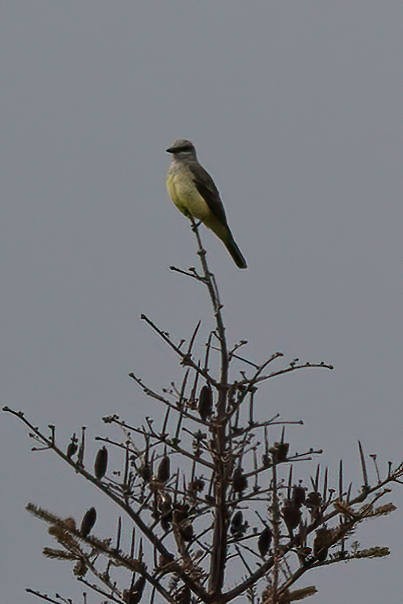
182, 149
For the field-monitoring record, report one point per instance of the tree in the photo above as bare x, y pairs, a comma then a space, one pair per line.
210, 493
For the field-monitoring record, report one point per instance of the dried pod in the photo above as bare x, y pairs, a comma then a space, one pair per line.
181, 512
186, 530
298, 495
238, 526
264, 541
133, 596
236, 523
88, 522
72, 448
321, 543
196, 486
183, 596
101, 463
279, 451
165, 561
164, 502
165, 521
205, 402
163, 471
314, 499
282, 451
303, 554
239, 480
291, 514
314, 504
80, 569
266, 460
70, 523
145, 471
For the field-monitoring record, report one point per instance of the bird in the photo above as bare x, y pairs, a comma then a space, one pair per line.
195, 194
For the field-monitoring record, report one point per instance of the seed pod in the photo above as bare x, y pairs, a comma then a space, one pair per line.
239, 480
264, 541
181, 512
313, 499
163, 471
266, 460
314, 504
101, 463
321, 543
186, 530
145, 471
236, 522
238, 526
134, 595
164, 502
72, 449
70, 523
183, 596
205, 402
291, 514
279, 451
88, 522
80, 569
166, 520
165, 561
298, 495
196, 486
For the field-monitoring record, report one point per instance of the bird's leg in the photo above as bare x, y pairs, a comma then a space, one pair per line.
195, 225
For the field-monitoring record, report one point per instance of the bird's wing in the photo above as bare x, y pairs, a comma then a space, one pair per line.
207, 189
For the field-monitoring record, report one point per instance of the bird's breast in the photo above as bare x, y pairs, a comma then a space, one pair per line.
185, 196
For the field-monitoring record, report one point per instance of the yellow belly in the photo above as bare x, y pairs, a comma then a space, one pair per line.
186, 197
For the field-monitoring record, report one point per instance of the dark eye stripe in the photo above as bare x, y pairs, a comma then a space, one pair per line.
183, 148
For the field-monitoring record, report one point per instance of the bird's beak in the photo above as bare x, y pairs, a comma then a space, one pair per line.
170, 150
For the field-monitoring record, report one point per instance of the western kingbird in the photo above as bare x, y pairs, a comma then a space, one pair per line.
194, 193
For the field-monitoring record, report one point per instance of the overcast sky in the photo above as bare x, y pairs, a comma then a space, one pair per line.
295, 109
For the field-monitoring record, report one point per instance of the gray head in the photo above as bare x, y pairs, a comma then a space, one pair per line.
182, 149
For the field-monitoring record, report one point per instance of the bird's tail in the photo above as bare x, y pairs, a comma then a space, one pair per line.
223, 232
234, 250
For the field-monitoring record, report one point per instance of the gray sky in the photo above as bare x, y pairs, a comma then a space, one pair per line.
295, 109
